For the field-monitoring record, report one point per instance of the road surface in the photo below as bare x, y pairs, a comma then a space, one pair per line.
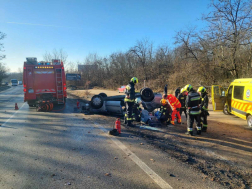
63, 150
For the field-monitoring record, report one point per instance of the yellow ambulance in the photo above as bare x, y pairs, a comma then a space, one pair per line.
236, 100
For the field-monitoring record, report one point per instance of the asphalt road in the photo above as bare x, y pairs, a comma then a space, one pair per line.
62, 150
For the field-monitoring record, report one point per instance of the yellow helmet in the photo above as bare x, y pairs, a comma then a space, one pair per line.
201, 89
188, 87
163, 101
134, 80
182, 90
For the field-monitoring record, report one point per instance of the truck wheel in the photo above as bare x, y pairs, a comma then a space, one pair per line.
147, 95
104, 95
225, 110
249, 121
97, 101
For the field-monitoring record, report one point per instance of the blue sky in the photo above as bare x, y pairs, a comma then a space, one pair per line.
81, 27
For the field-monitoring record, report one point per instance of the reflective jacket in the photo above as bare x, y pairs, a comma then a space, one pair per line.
130, 92
173, 101
204, 102
182, 100
193, 102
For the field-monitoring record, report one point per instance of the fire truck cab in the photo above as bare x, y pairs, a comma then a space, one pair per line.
44, 82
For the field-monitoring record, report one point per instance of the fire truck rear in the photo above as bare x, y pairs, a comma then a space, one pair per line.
44, 82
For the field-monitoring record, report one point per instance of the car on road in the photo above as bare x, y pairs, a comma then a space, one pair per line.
122, 89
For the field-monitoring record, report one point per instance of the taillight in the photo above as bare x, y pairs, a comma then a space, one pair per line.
24, 89
24, 86
24, 68
64, 88
62, 68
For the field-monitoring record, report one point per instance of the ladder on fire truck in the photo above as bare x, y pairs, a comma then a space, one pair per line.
59, 86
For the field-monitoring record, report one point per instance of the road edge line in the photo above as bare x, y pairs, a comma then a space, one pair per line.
153, 175
12, 116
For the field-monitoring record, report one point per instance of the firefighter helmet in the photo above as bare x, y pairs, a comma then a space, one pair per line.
201, 89
163, 101
188, 87
138, 101
134, 80
182, 90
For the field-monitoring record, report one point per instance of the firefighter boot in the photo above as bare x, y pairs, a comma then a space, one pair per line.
198, 129
189, 133
204, 129
129, 123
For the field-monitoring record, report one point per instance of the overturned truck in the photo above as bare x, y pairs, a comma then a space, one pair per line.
114, 104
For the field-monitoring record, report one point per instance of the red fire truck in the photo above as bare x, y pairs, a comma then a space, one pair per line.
44, 82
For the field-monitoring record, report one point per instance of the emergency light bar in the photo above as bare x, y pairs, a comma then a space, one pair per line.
44, 67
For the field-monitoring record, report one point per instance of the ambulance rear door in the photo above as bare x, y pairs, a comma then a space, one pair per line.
218, 97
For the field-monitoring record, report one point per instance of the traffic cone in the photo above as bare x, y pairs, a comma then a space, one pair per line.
118, 125
78, 104
16, 106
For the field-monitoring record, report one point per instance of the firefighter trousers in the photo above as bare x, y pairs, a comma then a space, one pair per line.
174, 113
190, 121
183, 110
129, 111
203, 119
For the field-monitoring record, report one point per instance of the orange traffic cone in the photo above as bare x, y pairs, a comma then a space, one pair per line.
16, 106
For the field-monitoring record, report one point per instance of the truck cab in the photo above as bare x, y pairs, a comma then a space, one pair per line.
236, 100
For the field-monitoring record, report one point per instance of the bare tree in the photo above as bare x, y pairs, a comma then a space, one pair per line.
230, 25
56, 54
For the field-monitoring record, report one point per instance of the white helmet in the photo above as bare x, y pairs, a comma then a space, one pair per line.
138, 101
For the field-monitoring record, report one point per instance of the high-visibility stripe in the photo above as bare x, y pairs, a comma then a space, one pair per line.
189, 129
241, 106
234, 104
237, 105
198, 128
245, 106
204, 125
249, 107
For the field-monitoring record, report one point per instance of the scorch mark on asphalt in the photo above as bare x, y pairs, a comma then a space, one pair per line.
138, 161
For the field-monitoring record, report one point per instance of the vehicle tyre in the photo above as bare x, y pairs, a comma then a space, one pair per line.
249, 121
147, 95
104, 95
225, 110
97, 102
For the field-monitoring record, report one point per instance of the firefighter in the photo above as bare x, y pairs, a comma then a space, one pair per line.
203, 107
182, 98
129, 100
165, 112
177, 91
137, 110
174, 102
193, 110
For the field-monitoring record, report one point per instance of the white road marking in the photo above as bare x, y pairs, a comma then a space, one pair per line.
12, 115
138, 161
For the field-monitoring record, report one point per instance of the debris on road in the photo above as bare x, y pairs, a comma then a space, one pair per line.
108, 174
69, 183
172, 175
141, 143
